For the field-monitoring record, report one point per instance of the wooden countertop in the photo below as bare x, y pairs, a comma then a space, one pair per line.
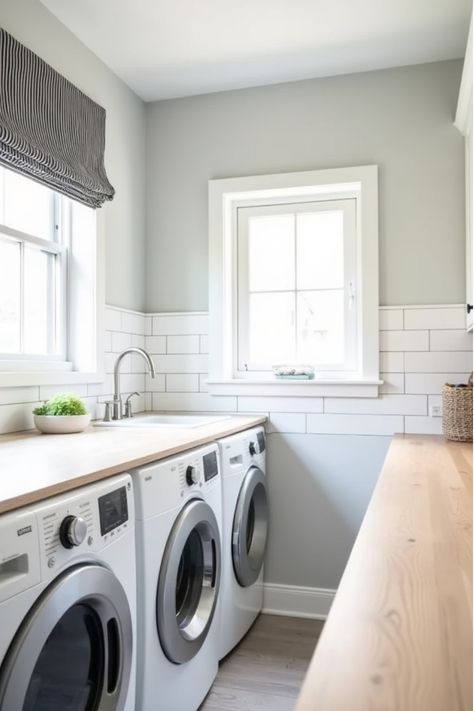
399, 634
35, 466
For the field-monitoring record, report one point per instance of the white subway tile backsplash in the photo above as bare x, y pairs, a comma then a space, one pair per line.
423, 425
16, 417
392, 362
155, 344
294, 423
392, 383
11, 396
182, 383
438, 362
280, 404
182, 363
182, 344
194, 402
48, 391
180, 324
107, 341
120, 341
391, 319
404, 340
415, 343
451, 340
156, 384
113, 319
432, 383
435, 317
383, 405
133, 323
354, 424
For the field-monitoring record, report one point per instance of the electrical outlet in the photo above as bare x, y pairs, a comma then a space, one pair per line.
436, 411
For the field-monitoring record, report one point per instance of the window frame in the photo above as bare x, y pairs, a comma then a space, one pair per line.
225, 198
79, 358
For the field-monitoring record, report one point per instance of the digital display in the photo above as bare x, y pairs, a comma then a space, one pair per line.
261, 441
113, 510
210, 466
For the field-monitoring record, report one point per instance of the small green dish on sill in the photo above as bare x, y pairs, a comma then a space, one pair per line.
306, 376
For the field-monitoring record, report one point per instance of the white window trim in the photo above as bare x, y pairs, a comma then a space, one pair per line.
18, 372
225, 197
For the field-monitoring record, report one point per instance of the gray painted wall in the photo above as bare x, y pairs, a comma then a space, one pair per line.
400, 119
34, 26
319, 489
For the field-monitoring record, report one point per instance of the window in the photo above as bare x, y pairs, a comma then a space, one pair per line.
33, 269
294, 280
296, 285
48, 282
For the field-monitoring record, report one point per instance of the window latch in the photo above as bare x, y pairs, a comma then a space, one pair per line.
351, 295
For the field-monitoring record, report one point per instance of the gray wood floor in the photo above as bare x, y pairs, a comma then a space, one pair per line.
265, 672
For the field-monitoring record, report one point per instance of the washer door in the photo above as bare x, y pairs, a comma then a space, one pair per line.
73, 650
250, 528
188, 584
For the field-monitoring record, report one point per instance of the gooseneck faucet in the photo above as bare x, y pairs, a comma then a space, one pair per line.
117, 401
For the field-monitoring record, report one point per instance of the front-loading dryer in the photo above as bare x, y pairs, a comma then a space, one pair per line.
178, 503
244, 534
68, 602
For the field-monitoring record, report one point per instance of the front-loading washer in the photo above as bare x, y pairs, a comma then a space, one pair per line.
68, 602
178, 504
244, 534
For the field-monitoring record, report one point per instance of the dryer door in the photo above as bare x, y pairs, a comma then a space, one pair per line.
188, 584
73, 650
250, 528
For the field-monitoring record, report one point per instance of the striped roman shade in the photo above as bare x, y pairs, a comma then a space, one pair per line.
49, 130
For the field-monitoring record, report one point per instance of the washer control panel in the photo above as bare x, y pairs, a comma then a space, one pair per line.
198, 469
84, 521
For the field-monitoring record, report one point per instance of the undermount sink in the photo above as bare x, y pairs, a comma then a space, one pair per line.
181, 421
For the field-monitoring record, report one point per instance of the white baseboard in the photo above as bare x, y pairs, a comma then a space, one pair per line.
295, 601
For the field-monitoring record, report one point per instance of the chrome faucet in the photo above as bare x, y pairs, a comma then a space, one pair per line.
117, 401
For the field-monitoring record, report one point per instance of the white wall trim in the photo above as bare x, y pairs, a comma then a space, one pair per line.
296, 601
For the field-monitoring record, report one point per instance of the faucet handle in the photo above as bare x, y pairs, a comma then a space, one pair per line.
128, 405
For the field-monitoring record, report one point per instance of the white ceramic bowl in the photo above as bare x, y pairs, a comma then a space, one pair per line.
61, 424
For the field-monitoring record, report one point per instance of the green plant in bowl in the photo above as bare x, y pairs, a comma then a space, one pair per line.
62, 414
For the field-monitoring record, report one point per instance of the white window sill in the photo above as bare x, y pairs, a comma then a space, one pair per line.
297, 388
13, 379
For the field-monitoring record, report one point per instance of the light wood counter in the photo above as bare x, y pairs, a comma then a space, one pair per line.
399, 634
35, 466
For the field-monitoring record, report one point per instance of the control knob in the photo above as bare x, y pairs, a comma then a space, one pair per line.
73, 531
192, 476
255, 448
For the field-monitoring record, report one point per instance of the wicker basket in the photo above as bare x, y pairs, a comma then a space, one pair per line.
457, 413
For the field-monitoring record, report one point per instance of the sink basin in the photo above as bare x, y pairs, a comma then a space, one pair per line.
171, 421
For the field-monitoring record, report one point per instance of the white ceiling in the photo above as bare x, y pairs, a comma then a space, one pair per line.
170, 48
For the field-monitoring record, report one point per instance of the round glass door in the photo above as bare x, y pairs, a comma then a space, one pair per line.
250, 528
69, 671
73, 650
188, 583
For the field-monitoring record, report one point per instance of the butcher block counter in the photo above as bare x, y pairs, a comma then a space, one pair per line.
35, 466
399, 634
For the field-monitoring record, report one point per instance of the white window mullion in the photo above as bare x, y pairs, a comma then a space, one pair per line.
22, 297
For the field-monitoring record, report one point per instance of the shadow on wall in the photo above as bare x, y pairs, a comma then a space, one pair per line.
319, 488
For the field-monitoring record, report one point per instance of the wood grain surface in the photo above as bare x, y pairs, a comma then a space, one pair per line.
265, 671
399, 634
35, 466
